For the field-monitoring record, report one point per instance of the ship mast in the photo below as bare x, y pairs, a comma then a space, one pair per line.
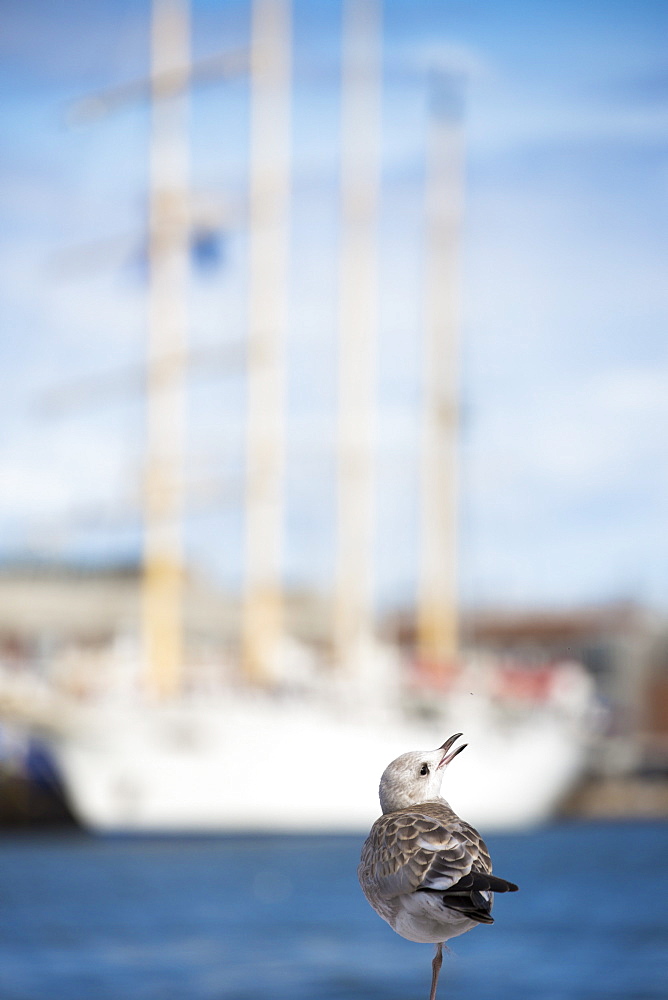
262, 624
358, 322
162, 597
168, 85
437, 619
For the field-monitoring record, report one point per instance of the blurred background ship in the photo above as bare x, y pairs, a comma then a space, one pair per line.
155, 698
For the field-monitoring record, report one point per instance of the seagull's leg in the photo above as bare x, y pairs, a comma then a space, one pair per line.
435, 969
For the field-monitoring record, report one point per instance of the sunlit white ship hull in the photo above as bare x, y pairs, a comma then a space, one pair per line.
254, 764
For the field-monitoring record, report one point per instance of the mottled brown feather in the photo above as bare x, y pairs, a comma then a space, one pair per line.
423, 848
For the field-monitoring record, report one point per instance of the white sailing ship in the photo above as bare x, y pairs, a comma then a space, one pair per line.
248, 757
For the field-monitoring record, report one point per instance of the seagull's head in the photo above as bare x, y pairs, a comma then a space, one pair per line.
416, 777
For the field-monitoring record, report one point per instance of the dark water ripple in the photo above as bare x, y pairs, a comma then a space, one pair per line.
282, 918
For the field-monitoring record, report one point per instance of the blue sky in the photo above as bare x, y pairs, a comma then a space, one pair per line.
565, 360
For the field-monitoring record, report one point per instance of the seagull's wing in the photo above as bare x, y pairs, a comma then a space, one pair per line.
427, 847
429, 850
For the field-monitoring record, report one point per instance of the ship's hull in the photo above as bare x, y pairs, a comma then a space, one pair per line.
259, 765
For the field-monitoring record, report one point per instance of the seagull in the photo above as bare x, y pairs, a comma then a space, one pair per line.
423, 869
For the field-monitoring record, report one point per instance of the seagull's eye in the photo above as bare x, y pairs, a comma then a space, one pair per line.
424, 769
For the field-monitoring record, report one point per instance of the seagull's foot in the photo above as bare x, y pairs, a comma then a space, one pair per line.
435, 969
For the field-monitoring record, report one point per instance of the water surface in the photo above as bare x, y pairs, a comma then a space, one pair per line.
243, 918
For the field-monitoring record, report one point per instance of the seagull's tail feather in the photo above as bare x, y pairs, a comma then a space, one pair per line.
484, 881
471, 896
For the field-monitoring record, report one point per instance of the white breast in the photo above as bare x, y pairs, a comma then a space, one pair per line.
422, 917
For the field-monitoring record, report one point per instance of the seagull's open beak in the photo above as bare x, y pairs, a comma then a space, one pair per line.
447, 757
